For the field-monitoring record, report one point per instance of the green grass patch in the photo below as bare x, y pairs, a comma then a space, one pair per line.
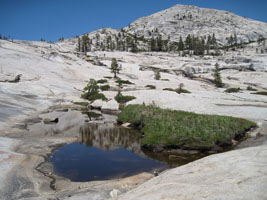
81, 103
123, 99
125, 82
232, 90
249, 88
151, 86
105, 87
261, 93
182, 129
101, 81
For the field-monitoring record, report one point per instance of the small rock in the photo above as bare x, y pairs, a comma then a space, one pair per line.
114, 193
234, 142
50, 121
126, 125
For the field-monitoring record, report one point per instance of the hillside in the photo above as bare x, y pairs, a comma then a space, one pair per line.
162, 31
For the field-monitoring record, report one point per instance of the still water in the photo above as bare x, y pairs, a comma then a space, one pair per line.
105, 151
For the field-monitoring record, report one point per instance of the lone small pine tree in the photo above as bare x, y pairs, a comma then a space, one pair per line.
217, 76
115, 68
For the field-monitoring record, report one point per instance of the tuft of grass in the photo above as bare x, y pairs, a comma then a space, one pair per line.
105, 87
261, 93
81, 103
232, 90
151, 86
123, 99
125, 82
101, 81
249, 88
183, 129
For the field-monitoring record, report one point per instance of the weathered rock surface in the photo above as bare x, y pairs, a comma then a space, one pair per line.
238, 174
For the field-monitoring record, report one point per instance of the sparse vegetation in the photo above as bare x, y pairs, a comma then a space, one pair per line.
81, 103
125, 82
157, 74
123, 99
261, 93
102, 81
151, 86
249, 88
217, 76
181, 89
91, 92
232, 90
183, 129
115, 68
169, 89
104, 87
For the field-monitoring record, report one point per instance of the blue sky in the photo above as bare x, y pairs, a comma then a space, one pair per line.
51, 19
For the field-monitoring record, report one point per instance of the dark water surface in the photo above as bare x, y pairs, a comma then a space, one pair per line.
105, 151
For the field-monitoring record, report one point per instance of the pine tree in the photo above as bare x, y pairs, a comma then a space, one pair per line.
217, 76
115, 68
181, 44
79, 44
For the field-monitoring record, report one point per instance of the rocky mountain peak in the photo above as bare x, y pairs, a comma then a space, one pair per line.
181, 20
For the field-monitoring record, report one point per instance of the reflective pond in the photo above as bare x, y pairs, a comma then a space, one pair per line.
105, 151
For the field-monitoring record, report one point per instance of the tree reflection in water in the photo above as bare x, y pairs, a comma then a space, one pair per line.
107, 136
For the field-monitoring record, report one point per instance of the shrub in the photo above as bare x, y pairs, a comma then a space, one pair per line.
217, 76
96, 96
123, 99
91, 91
105, 87
151, 86
101, 81
157, 75
169, 89
126, 82
232, 90
261, 93
249, 88
181, 89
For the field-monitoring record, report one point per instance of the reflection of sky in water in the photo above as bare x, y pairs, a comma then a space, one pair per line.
80, 163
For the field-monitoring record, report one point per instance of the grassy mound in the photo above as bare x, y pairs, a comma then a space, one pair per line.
183, 129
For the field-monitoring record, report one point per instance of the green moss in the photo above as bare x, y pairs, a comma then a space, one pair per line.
178, 128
